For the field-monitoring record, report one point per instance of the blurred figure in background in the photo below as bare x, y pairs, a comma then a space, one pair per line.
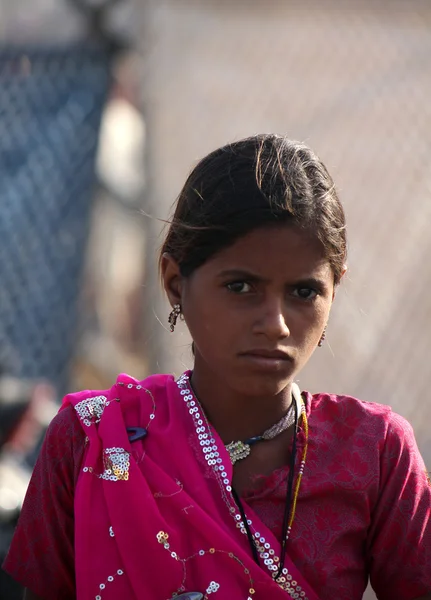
26, 408
55, 72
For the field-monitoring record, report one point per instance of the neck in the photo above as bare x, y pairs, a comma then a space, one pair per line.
237, 416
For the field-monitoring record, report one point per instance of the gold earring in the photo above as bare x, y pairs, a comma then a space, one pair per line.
322, 338
173, 316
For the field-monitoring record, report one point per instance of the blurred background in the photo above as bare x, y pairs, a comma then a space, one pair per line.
105, 106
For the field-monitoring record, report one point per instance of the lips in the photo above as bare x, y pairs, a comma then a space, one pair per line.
267, 361
269, 354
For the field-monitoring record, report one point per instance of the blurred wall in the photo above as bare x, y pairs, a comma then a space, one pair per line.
60, 22
352, 80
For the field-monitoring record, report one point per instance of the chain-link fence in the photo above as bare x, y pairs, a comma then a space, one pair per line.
50, 108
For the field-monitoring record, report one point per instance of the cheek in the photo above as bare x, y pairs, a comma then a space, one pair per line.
201, 315
211, 337
309, 324
211, 321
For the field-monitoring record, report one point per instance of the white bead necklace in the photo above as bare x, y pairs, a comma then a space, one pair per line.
241, 449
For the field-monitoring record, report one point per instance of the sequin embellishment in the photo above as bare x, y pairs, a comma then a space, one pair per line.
110, 579
213, 587
138, 386
212, 457
116, 463
90, 410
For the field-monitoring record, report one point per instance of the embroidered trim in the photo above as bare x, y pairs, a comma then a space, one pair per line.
211, 453
140, 387
213, 587
162, 495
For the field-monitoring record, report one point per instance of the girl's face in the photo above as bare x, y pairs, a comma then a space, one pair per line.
257, 309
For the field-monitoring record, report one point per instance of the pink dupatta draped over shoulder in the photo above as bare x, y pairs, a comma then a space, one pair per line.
155, 518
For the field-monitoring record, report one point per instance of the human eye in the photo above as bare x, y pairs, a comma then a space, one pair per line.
239, 287
305, 293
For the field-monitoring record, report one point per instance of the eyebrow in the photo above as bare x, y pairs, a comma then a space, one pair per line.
241, 274
313, 282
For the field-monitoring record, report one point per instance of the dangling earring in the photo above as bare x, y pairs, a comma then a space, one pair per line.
322, 338
173, 316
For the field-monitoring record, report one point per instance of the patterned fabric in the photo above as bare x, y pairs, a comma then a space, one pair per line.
364, 508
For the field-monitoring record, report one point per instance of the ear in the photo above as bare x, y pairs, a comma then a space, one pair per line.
343, 272
172, 278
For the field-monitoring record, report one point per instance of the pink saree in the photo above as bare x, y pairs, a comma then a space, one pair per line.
155, 518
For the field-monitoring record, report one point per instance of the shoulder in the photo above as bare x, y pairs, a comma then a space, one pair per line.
90, 404
346, 414
64, 428
63, 447
154, 383
129, 399
337, 408
124, 382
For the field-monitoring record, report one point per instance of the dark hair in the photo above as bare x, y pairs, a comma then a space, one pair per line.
263, 180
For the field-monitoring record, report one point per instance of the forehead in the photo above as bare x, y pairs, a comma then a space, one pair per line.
275, 251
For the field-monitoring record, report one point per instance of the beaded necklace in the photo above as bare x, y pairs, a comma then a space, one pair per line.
261, 548
238, 450
287, 504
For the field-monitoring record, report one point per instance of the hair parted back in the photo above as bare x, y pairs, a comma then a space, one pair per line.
264, 180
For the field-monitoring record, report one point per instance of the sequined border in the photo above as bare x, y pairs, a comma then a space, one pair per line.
212, 457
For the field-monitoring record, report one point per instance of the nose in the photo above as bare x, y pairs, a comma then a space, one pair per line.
272, 320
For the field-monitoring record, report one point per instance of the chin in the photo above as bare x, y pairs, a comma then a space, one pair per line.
262, 385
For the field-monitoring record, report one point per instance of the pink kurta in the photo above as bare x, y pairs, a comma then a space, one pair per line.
98, 509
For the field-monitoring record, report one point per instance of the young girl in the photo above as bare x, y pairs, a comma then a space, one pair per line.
229, 483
